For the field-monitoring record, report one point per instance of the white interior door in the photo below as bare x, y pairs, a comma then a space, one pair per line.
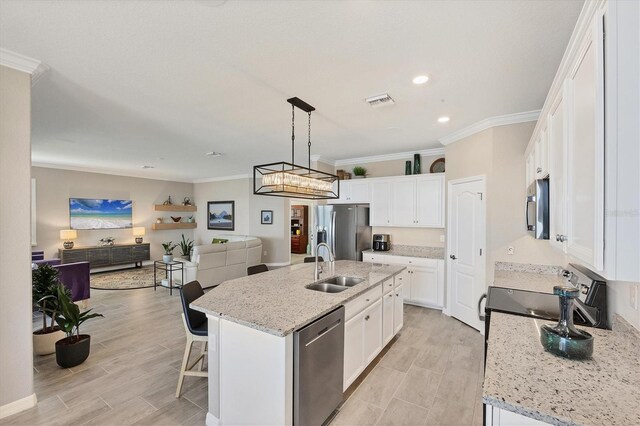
466, 262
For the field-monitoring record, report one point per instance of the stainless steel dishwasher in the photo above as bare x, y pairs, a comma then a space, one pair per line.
318, 364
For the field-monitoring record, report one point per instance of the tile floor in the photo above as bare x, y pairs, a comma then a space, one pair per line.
430, 374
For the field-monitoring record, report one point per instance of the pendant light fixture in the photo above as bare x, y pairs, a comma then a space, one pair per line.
285, 179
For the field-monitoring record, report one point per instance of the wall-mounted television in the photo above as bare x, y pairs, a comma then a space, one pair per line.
91, 213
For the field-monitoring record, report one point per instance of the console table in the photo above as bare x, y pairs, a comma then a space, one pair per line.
99, 256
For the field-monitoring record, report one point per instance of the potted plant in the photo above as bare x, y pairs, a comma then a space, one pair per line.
74, 349
359, 172
44, 295
186, 245
168, 251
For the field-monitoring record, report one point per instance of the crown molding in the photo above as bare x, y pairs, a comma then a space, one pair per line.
18, 62
388, 157
221, 178
501, 120
103, 172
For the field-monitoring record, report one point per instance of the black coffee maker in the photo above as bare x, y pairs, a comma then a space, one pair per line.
381, 242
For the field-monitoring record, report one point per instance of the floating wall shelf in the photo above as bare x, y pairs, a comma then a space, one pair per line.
174, 208
178, 225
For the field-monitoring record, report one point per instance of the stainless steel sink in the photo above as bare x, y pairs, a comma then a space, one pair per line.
335, 284
343, 281
326, 287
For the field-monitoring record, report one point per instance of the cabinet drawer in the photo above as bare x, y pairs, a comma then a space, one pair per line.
72, 256
353, 307
140, 253
99, 256
120, 255
387, 286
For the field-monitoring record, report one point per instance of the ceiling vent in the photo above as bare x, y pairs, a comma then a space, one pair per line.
380, 100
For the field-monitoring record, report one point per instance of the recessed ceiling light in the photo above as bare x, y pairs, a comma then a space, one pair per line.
213, 154
443, 119
421, 79
147, 167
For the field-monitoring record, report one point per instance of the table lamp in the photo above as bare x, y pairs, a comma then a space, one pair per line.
67, 235
138, 233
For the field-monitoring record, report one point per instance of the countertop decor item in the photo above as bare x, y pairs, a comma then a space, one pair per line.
284, 179
106, 241
417, 168
359, 172
68, 235
564, 339
167, 202
186, 201
407, 167
437, 166
176, 219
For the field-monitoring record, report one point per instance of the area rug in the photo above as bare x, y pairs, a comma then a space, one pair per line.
127, 279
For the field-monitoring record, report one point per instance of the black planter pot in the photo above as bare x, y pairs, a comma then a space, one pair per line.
70, 353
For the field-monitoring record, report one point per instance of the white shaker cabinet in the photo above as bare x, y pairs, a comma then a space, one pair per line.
557, 130
585, 152
387, 317
424, 285
353, 191
372, 331
380, 206
353, 349
403, 205
430, 201
398, 308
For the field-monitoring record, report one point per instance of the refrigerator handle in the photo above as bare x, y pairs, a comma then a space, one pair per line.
333, 233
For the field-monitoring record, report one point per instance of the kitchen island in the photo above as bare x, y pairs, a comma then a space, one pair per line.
251, 324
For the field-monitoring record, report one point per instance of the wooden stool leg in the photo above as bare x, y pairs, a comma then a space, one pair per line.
183, 368
203, 351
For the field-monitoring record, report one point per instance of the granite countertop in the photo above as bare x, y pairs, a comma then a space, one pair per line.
277, 301
412, 251
522, 377
529, 277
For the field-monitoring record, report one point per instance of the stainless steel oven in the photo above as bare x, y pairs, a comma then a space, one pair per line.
537, 209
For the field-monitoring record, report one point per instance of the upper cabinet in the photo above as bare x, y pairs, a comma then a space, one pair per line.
584, 142
408, 201
353, 191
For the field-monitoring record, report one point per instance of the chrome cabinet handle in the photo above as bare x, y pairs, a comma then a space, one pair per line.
539, 170
366, 318
453, 256
561, 238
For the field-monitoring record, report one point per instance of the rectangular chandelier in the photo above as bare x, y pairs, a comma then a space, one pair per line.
284, 179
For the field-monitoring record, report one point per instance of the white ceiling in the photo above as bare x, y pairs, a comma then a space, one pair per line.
160, 83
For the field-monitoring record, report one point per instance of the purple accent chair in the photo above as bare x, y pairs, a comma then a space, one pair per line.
37, 255
75, 276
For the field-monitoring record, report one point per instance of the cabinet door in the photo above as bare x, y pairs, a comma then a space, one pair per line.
557, 189
403, 205
424, 285
541, 155
585, 154
398, 308
379, 208
430, 201
530, 168
372, 331
404, 278
359, 191
388, 302
353, 349
345, 193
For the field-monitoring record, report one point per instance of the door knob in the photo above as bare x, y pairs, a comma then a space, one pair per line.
453, 256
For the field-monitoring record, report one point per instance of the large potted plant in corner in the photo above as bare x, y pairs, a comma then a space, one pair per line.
167, 257
186, 245
44, 295
74, 349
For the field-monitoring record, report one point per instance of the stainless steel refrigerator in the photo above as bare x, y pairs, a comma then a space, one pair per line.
345, 228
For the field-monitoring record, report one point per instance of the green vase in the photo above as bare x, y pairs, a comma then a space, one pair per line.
407, 168
416, 164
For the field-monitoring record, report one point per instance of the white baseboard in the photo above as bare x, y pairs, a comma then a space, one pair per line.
212, 420
18, 406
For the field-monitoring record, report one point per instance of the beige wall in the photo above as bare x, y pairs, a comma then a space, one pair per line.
54, 187
16, 365
247, 211
498, 154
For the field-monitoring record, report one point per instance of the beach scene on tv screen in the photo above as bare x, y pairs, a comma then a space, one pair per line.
88, 213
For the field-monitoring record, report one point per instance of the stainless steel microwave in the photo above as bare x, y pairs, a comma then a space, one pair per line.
537, 209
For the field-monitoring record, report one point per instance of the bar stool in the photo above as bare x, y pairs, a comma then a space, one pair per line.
256, 269
196, 327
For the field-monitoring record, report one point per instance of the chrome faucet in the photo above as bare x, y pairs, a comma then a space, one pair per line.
317, 271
